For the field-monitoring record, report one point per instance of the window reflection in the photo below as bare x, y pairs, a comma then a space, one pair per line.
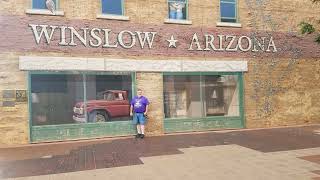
67, 99
177, 9
182, 96
40, 4
201, 96
112, 7
221, 96
53, 97
228, 11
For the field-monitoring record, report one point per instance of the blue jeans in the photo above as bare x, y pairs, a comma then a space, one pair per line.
172, 15
179, 15
138, 118
175, 15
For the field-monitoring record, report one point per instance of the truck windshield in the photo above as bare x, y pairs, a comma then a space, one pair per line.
108, 96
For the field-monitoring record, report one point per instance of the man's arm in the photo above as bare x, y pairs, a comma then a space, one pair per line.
131, 110
147, 106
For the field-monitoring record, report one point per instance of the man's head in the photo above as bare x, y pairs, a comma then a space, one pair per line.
139, 92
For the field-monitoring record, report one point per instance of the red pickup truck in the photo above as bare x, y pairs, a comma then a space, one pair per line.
112, 104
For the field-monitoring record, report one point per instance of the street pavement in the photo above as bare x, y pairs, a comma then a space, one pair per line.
291, 153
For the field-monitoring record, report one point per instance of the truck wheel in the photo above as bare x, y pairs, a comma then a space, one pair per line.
98, 116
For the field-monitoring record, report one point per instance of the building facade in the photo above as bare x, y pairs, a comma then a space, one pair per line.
69, 71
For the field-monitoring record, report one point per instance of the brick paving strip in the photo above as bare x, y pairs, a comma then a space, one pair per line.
316, 172
129, 151
314, 159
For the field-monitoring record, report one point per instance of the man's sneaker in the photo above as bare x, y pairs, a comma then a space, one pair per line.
138, 135
141, 136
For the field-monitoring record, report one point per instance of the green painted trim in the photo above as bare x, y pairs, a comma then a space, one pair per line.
30, 106
181, 119
199, 73
185, 125
187, 10
101, 5
134, 84
201, 94
82, 131
209, 118
84, 83
205, 123
57, 4
54, 132
237, 12
230, 19
241, 99
122, 7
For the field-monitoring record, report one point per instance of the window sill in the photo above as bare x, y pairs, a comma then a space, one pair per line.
226, 24
113, 17
44, 12
177, 21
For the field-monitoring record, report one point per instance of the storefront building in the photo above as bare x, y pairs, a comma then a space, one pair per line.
204, 65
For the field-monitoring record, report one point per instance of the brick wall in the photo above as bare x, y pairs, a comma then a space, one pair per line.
18, 35
14, 122
282, 93
152, 85
286, 13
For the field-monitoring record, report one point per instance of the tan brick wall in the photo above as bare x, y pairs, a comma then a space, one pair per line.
152, 87
14, 123
12, 7
281, 95
10, 75
80, 9
284, 14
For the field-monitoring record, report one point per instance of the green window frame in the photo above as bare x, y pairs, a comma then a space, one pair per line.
104, 9
172, 15
49, 133
229, 11
184, 124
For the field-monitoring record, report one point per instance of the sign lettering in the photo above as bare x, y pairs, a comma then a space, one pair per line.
106, 38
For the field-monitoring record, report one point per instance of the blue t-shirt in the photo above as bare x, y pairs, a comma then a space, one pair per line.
139, 104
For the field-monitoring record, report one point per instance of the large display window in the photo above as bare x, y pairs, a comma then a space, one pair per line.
182, 96
80, 98
201, 96
199, 101
79, 105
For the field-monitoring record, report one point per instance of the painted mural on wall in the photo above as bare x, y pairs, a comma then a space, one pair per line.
265, 89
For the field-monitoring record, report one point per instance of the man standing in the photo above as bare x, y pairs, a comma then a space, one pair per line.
139, 109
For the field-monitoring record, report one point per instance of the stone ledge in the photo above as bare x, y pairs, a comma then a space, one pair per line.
226, 24
176, 21
44, 12
113, 17
30, 63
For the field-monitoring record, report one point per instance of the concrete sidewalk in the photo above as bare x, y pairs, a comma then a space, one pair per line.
279, 153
